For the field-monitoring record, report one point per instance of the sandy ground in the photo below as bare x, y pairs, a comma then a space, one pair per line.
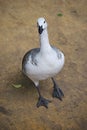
18, 34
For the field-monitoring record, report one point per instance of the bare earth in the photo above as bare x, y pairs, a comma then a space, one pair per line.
18, 34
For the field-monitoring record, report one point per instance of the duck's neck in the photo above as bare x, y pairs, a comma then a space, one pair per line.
44, 42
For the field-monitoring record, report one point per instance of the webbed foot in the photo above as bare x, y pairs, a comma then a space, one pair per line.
57, 92
43, 102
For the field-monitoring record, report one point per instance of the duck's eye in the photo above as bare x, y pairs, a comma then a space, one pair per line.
44, 21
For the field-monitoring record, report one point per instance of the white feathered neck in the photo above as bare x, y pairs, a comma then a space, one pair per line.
44, 42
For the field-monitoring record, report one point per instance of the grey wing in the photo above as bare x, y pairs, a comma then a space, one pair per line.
59, 55
31, 54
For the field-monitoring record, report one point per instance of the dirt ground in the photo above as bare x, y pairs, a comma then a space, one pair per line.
18, 34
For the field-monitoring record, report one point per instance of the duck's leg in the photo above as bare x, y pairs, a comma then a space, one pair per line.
57, 92
41, 100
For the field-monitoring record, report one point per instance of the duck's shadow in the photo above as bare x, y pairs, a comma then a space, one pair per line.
24, 81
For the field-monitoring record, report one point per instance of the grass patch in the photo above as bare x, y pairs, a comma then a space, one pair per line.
17, 85
59, 14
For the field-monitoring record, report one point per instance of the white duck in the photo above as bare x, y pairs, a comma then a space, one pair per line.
44, 62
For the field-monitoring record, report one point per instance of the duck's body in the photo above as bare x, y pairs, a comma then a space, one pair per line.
44, 62
41, 67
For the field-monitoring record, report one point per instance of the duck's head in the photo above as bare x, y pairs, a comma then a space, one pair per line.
41, 24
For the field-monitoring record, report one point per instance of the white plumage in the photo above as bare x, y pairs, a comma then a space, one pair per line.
44, 62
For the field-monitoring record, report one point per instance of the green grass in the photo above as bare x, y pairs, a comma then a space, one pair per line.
59, 14
17, 85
